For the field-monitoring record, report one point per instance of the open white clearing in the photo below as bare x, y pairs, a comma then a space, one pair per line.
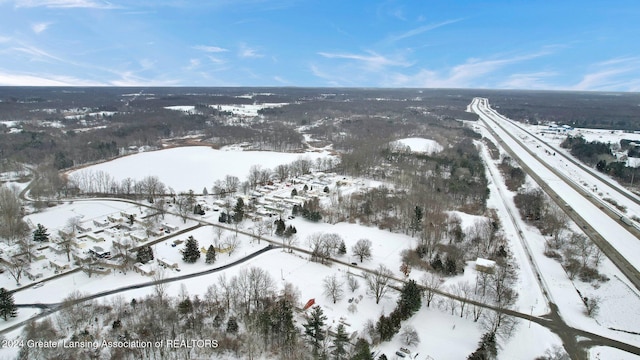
194, 167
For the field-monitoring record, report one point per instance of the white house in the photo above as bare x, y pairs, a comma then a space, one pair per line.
143, 269
485, 265
167, 263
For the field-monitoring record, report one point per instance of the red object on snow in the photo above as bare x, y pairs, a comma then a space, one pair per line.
309, 304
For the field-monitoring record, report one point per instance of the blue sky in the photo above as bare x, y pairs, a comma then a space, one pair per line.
507, 44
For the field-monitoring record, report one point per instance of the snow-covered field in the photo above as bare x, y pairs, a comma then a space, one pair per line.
242, 110
443, 336
194, 167
421, 145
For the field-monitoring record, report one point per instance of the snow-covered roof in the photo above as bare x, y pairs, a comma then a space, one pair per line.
485, 263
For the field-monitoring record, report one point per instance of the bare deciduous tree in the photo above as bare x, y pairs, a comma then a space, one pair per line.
410, 336
159, 284
463, 291
16, 267
352, 282
592, 305
362, 249
232, 242
290, 241
333, 288
378, 281
432, 283
259, 229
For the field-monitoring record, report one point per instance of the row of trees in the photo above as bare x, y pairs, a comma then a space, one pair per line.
245, 314
578, 254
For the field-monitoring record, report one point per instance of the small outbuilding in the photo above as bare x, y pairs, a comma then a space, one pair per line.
485, 265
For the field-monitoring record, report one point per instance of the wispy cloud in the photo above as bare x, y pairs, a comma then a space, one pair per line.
281, 80
245, 51
13, 79
371, 60
472, 73
460, 75
421, 29
535, 80
129, 78
35, 53
331, 79
210, 49
614, 74
216, 60
193, 64
40, 27
4, 39
66, 4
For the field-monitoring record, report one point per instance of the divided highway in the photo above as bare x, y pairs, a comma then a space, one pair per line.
614, 238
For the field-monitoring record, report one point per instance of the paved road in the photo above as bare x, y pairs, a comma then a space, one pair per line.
593, 231
552, 321
50, 308
568, 335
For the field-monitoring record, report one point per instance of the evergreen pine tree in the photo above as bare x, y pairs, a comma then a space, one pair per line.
487, 348
185, 307
7, 305
40, 234
416, 220
283, 325
232, 325
191, 251
211, 255
290, 231
361, 350
144, 254
342, 249
450, 267
238, 211
294, 192
410, 299
280, 227
436, 263
314, 328
339, 343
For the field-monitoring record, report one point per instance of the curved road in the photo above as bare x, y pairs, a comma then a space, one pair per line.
552, 321
53, 307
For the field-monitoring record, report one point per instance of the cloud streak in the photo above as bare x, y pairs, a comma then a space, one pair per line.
247, 52
421, 30
12, 79
210, 49
372, 60
40, 27
65, 4
612, 74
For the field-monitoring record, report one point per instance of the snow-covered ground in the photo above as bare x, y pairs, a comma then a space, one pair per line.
420, 145
547, 144
620, 301
247, 110
241, 110
194, 167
